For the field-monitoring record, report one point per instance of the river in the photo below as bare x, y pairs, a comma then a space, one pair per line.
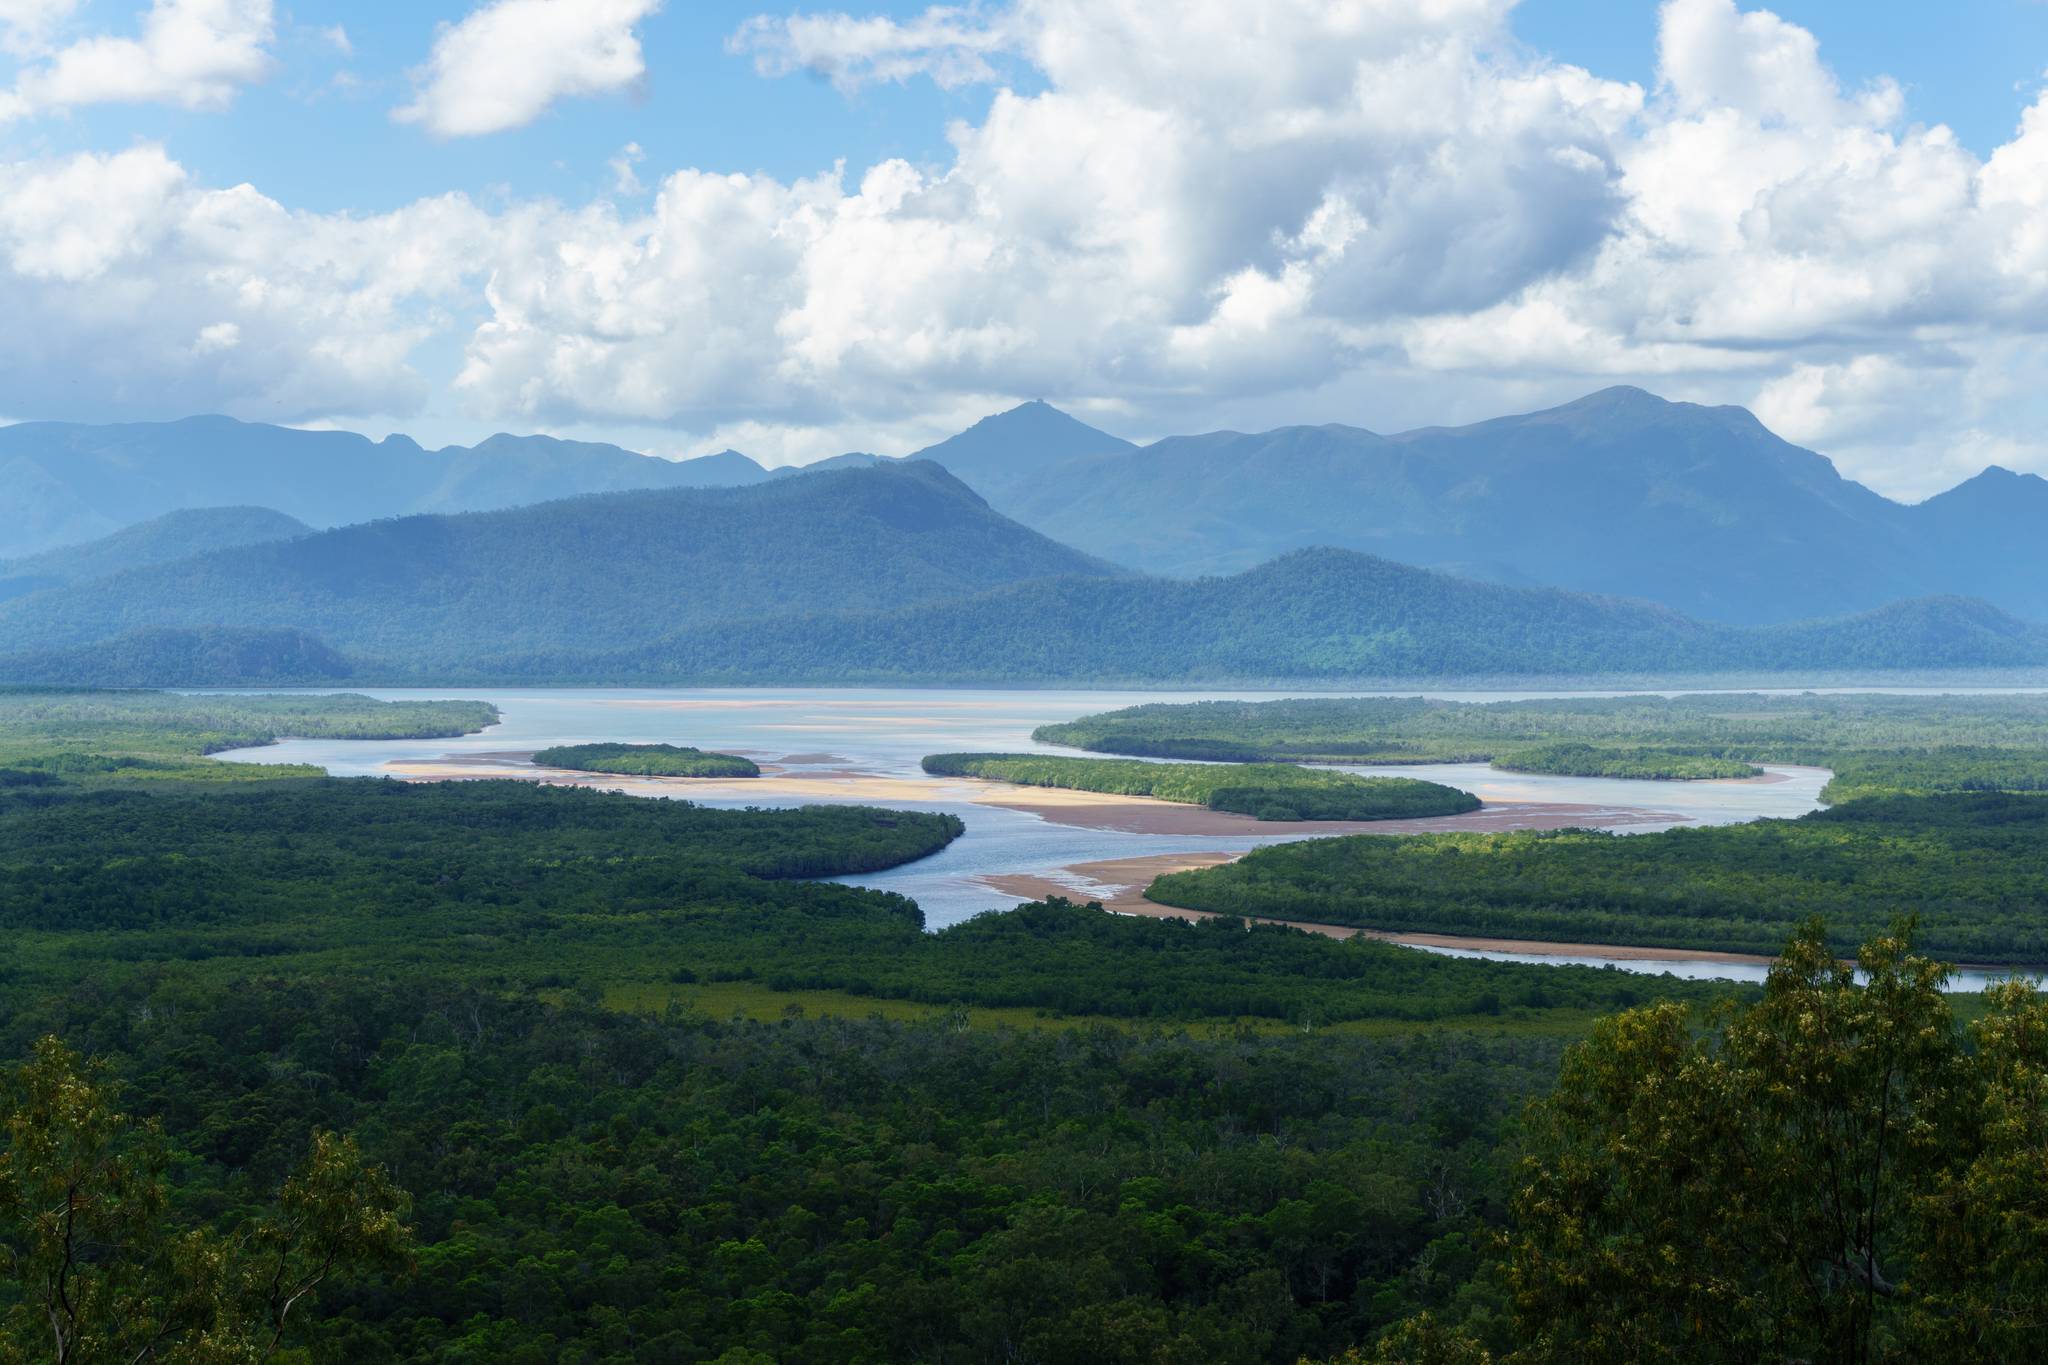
864, 746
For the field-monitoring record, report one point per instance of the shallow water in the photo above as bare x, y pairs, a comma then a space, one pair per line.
885, 732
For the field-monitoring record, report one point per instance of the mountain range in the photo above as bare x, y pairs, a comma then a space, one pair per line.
1657, 528
892, 572
1624, 493
63, 482
604, 571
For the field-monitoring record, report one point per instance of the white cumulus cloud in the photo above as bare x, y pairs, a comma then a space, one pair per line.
501, 67
131, 290
192, 53
1166, 217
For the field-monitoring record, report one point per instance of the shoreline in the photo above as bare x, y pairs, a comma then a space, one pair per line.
1149, 815
1126, 879
1108, 811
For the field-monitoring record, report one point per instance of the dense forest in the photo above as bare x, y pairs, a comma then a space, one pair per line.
529, 1008
1266, 791
195, 656
501, 1072
1312, 617
159, 540
1874, 743
162, 734
648, 760
1971, 867
1637, 763
591, 1185
604, 1158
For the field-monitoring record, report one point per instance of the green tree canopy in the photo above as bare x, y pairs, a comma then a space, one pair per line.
1835, 1172
101, 1270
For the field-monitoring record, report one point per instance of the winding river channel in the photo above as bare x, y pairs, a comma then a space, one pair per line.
864, 746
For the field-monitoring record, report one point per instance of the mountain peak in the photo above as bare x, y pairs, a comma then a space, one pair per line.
1014, 448
1621, 395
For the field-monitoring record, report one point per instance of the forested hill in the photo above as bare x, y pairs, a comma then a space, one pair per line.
1701, 508
584, 575
1317, 615
174, 535
68, 482
206, 656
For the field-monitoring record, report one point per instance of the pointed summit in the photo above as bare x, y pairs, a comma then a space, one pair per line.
1010, 449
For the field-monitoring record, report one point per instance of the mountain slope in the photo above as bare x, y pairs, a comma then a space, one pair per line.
604, 572
174, 535
1990, 537
1701, 508
1313, 616
211, 656
41, 511
92, 479
1000, 456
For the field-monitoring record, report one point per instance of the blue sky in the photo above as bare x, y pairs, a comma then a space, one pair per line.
1164, 217
1973, 65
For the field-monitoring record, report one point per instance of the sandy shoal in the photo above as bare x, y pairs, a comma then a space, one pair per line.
1059, 805
1147, 815
774, 783
1119, 884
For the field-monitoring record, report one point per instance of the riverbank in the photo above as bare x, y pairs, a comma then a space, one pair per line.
1118, 884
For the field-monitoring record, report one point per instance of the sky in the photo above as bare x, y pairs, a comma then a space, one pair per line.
686, 226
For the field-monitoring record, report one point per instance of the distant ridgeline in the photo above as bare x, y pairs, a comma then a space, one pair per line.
646, 760
1266, 791
885, 573
1701, 509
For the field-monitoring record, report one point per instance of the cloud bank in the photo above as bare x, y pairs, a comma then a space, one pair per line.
1373, 209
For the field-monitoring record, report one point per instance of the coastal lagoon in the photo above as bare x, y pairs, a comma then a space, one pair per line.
864, 746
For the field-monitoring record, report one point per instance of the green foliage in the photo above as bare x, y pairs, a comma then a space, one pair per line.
1325, 616
651, 760
590, 1185
200, 656
510, 880
1970, 866
101, 1271
1827, 1174
87, 734
366, 859
1269, 791
1874, 743
1656, 765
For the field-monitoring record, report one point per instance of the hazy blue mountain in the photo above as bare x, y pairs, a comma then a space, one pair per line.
1621, 492
1000, 457
174, 535
79, 481
1311, 616
596, 572
210, 656
38, 510
1990, 536
852, 459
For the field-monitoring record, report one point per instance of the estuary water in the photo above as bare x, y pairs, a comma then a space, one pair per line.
864, 746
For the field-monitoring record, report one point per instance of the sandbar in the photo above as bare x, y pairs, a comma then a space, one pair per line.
1124, 881
1058, 805
1148, 815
